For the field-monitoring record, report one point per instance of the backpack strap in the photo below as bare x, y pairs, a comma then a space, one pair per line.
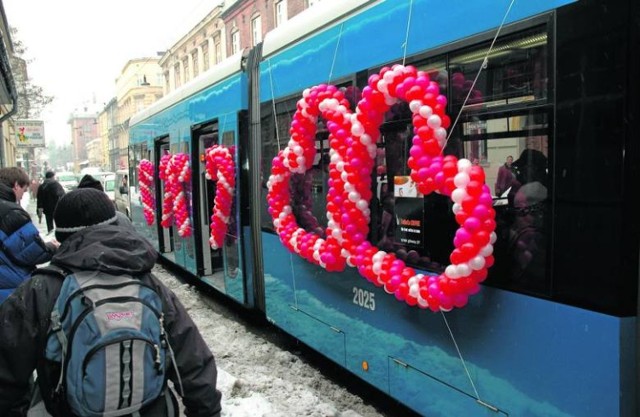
56, 323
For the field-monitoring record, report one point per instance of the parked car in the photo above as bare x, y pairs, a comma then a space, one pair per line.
109, 185
68, 180
121, 192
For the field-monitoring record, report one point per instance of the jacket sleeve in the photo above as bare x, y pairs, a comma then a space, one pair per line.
26, 248
23, 327
195, 362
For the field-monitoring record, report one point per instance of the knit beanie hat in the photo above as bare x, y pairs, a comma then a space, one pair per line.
89, 182
81, 208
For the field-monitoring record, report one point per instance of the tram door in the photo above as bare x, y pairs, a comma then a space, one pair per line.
210, 261
165, 235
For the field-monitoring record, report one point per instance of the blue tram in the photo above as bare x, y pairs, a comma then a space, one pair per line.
541, 93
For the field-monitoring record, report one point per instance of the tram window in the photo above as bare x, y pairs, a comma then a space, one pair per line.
516, 73
136, 154
504, 127
228, 138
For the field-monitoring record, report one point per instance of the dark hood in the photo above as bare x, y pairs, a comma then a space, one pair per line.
112, 249
6, 193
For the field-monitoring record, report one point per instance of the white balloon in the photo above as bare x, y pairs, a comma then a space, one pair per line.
451, 271
414, 290
426, 111
464, 165
476, 263
458, 195
382, 86
357, 129
487, 250
461, 179
415, 105
434, 121
463, 270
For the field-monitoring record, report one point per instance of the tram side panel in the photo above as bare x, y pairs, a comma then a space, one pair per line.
174, 129
521, 350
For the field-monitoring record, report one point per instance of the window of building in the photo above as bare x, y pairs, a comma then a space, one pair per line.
196, 64
205, 56
312, 2
217, 49
235, 42
185, 66
256, 30
281, 12
176, 76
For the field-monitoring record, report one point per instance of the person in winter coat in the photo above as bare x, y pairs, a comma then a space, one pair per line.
21, 247
49, 193
91, 242
88, 181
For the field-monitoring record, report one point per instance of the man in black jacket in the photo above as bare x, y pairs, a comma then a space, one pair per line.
49, 193
90, 241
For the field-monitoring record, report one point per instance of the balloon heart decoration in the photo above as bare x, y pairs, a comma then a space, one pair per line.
145, 174
220, 165
175, 171
352, 138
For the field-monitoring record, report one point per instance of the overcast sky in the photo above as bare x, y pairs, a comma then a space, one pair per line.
79, 47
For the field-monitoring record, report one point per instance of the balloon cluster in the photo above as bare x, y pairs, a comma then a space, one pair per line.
352, 139
164, 172
329, 102
175, 170
145, 175
221, 166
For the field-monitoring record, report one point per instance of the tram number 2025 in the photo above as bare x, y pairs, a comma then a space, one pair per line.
365, 299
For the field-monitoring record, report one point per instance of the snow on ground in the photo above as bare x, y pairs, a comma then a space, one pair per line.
256, 377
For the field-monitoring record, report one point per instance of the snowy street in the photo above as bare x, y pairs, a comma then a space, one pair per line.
255, 376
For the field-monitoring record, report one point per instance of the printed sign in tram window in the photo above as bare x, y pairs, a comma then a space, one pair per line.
409, 214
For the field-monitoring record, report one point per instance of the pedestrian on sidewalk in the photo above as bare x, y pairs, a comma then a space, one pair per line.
49, 193
33, 188
95, 250
21, 247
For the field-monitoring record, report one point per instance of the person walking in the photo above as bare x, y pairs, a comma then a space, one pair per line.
49, 193
100, 254
505, 177
21, 247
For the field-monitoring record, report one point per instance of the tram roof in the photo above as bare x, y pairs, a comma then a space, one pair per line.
309, 21
210, 77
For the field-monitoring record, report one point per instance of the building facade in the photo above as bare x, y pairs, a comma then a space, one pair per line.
197, 51
8, 95
84, 128
229, 28
137, 87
